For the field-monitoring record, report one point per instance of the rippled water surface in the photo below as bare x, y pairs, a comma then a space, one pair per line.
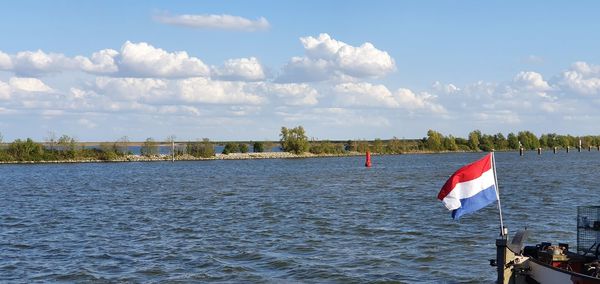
296, 220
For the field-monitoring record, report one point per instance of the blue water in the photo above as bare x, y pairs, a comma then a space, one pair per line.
295, 220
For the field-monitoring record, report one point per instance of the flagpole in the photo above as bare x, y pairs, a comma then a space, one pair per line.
498, 195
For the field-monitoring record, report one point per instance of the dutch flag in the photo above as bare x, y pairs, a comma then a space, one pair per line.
470, 188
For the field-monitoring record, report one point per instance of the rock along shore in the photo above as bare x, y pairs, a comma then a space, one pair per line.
232, 156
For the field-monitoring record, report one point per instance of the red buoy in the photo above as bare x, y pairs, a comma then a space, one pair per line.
368, 161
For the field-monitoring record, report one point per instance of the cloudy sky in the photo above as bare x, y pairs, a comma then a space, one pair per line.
99, 70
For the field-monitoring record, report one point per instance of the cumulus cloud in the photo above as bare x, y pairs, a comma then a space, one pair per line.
369, 95
328, 58
101, 62
4, 91
132, 89
223, 22
36, 63
134, 60
202, 90
582, 78
291, 94
240, 69
445, 88
5, 61
144, 60
28, 85
531, 81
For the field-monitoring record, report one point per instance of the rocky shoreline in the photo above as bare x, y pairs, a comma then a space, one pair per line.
186, 157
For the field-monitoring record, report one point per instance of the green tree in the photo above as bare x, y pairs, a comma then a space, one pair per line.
122, 146
25, 150
258, 147
486, 143
500, 143
294, 140
243, 148
513, 141
68, 145
473, 141
230, 147
449, 143
528, 140
395, 146
434, 140
204, 149
378, 146
149, 148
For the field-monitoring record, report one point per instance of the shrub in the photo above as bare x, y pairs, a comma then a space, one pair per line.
258, 147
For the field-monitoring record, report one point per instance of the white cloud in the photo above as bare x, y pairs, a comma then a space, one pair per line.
240, 69
291, 94
224, 22
144, 60
303, 69
531, 81
28, 85
35, 63
101, 62
5, 61
409, 100
132, 89
445, 88
327, 58
364, 95
369, 95
202, 90
4, 91
582, 78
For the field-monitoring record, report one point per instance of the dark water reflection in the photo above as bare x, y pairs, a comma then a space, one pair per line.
299, 220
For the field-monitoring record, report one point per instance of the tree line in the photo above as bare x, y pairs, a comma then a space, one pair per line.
293, 140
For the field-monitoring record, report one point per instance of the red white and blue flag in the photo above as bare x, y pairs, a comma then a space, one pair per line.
470, 188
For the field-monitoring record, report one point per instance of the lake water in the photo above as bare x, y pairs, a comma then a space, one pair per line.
295, 220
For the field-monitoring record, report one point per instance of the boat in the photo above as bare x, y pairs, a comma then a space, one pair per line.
548, 263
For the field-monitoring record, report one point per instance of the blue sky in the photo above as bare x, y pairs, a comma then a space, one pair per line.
232, 70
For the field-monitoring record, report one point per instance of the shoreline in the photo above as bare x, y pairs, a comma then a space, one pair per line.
217, 157
186, 157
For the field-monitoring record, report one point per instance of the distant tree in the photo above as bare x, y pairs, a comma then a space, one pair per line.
395, 146
513, 141
528, 140
486, 143
122, 146
51, 139
229, 148
449, 143
434, 140
377, 146
204, 149
350, 146
500, 143
25, 150
68, 145
258, 147
474, 138
149, 148
243, 148
170, 140
362, 146
294, 140
462, 142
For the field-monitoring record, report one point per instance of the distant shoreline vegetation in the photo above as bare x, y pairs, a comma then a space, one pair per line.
293, 141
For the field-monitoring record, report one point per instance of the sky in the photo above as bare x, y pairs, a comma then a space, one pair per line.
240, 70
